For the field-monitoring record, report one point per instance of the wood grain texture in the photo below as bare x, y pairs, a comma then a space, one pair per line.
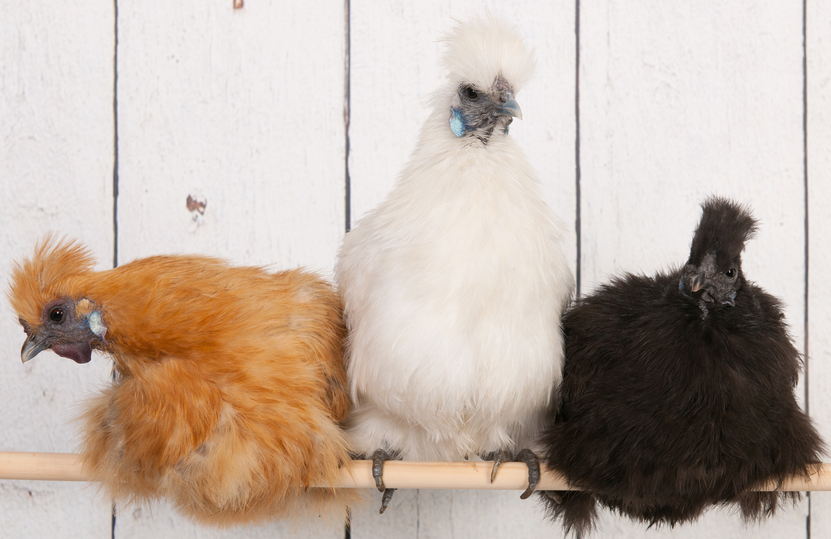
56, 159
677, 102
241, 109
818, 56
395, 57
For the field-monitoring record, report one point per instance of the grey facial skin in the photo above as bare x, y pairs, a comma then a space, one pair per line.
59, 331
479, 112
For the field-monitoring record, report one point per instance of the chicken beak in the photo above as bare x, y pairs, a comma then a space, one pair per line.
697, 282
32, 347
510, 108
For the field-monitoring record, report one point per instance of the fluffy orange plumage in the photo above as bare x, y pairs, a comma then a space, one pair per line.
230, 380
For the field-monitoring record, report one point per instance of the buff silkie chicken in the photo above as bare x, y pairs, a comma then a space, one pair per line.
678, 391
229, 381
454, 286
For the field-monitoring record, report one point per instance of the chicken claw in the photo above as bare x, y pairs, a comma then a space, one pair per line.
498, 458
530, 459
385, 500
378, 459
527, 456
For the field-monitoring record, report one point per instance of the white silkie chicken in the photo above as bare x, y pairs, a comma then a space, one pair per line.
454, 286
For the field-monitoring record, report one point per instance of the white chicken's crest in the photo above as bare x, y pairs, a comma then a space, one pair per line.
484, 48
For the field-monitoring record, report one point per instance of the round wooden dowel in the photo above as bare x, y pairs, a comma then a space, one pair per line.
42, 466
358, 474
447, 475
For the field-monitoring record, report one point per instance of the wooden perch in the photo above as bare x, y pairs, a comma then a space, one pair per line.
358, 474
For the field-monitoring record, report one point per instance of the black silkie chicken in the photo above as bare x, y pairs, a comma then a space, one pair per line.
678, 391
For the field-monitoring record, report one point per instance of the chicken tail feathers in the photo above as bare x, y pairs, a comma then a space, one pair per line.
576, 510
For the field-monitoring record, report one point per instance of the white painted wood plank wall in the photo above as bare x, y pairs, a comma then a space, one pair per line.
245, 109
56, 170
818, 42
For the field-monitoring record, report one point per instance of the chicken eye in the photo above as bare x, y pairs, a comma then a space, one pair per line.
56, 315
730, 273
471, 94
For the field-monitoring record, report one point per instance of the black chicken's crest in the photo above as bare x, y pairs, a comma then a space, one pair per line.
724, 229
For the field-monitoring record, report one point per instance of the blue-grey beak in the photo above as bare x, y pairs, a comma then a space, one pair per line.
32, 347
510, 108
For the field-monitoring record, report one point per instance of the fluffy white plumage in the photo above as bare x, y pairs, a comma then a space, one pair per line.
454, 286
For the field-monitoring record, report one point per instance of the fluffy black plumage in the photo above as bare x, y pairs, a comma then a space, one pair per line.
677, 391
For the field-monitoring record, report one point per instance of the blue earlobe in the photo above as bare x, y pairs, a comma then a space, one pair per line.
96, 324
457, 123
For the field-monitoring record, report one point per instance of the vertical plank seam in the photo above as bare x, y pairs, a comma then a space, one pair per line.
347, 64
418, 514
805, 183
115, 135
115, 182
347, 527
346, 117
806, 312
577, 142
